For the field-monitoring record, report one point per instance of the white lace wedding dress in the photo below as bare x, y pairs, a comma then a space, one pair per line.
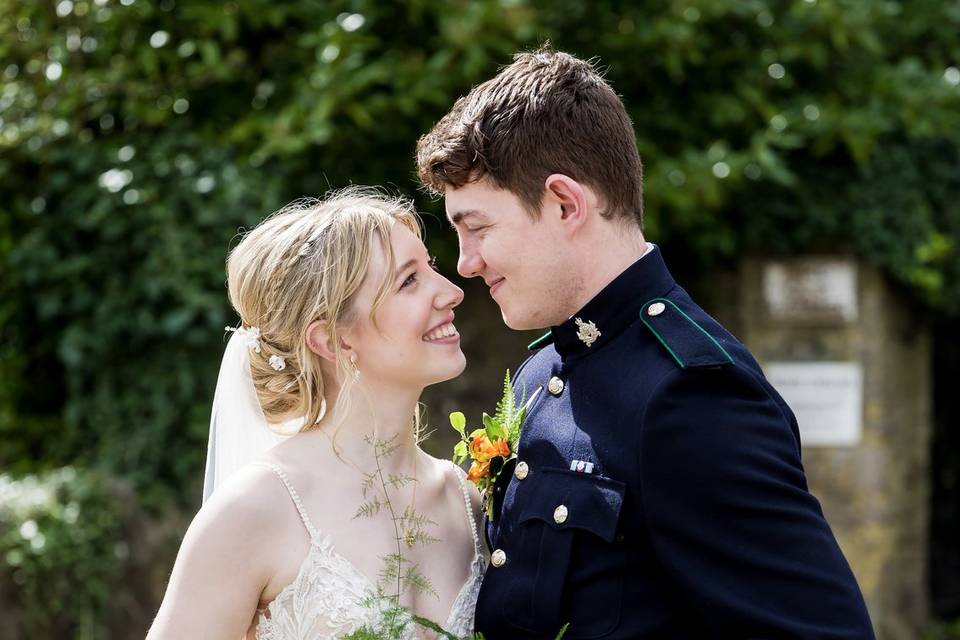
326, 599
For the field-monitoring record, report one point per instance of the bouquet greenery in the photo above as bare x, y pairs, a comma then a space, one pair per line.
490, 446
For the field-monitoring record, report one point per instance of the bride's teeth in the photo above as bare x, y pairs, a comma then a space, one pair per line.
445, 331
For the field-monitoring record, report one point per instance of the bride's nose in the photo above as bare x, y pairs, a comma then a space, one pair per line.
449, 295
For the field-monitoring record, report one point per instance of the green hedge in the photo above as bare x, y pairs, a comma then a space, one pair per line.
61, 547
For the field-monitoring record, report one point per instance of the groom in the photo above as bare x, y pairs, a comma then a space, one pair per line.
658, 490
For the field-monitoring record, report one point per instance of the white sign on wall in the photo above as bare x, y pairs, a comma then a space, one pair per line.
811, 289
826, 397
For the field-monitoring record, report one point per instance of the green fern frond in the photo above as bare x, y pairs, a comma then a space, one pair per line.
368, 481
417, 582
399, 481
363, 633
412, 538
505, 405
440, 631
384, 448
508, 397
412, 518
369, 508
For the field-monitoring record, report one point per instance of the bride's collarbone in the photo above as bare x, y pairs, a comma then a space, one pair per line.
366, 542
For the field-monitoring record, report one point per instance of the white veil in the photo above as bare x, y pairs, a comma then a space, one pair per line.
239, 431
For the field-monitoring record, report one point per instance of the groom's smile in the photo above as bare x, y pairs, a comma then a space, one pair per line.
494, 286
501, 240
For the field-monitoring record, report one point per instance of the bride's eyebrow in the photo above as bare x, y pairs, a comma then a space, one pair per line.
406, 265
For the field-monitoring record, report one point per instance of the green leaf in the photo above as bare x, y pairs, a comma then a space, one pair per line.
493, 428
460, 451
459, 422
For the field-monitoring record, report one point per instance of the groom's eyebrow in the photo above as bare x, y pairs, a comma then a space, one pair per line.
457, 218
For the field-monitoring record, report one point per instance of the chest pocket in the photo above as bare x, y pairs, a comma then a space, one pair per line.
566, 518
569, 500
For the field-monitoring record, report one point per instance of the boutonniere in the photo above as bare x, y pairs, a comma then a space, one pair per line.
489, 447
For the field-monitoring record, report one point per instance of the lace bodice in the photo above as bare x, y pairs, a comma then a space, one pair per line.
327, 598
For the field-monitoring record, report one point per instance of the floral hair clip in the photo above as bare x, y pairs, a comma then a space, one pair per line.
277, 362
252, 334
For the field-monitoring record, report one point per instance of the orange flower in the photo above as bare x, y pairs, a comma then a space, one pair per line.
477, 471
481, 449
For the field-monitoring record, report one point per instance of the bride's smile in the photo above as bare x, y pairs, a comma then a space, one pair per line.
410, 340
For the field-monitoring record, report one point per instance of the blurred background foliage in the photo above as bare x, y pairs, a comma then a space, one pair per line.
39, 537
137, 137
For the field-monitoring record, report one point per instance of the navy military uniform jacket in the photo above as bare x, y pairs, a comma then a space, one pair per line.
658, 490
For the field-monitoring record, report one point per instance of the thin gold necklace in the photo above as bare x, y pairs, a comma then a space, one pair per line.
345, 459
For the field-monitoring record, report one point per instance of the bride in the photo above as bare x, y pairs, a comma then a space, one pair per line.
343, 323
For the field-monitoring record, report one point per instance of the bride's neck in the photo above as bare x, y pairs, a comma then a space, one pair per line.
375, 428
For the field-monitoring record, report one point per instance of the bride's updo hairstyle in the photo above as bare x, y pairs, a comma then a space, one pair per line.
303, 263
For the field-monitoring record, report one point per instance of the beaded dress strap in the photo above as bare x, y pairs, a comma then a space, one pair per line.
461, 474
295, 497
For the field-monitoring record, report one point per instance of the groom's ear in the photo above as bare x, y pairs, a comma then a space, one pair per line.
318, 340
567, 198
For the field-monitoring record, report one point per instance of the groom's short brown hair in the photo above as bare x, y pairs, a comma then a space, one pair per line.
547, 112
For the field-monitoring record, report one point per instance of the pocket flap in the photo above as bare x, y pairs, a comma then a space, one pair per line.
589, 502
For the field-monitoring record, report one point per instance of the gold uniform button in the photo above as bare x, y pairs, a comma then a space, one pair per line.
522, 471
560, 514
498, 558
555, 386
656, 309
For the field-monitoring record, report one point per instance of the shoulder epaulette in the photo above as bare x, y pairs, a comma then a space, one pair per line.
686, 341
542, 341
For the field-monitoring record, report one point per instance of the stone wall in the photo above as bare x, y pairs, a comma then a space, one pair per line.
874, 492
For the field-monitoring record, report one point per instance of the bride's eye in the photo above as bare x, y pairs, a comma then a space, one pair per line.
433, 263
410, 279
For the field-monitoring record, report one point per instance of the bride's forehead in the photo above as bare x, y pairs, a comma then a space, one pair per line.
405, 246
402, 238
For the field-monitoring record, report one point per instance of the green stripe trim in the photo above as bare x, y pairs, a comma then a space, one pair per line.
541, 341
702, 330
691, 321
665, 345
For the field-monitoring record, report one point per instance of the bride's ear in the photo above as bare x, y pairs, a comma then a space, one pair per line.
318, 341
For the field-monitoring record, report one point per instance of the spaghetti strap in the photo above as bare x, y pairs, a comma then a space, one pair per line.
293, 496
461, 474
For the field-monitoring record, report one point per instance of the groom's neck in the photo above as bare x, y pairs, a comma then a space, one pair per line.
602, 256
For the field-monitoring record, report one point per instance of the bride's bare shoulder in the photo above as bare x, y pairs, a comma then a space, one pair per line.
253, 501
455, 481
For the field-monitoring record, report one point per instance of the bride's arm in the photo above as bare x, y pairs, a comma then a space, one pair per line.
221, 569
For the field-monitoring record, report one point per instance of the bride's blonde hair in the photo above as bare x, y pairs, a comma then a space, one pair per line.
303, 263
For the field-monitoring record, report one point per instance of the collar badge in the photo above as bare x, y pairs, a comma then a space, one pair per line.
587, 332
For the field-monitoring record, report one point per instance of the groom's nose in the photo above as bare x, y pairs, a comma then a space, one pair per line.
470, 264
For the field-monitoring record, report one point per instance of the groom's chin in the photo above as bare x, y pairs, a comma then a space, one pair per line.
519, 322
